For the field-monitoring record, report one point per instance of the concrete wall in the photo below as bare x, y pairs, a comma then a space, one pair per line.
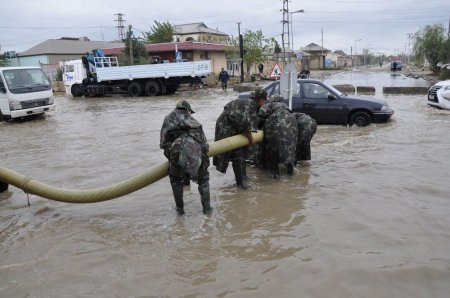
217, 59
33, 60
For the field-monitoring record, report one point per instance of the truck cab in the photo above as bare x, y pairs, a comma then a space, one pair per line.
24, 91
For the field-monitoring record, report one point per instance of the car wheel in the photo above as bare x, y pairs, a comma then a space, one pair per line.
135, 89
152, 88
360, 119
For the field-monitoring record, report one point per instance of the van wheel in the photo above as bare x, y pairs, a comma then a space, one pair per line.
1, 117
152, 89
76, 90
360, 119
135, 89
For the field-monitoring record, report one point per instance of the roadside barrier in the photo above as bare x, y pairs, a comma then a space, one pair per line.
31, 186
405, 90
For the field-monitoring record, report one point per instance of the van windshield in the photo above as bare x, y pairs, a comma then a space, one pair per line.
26, 80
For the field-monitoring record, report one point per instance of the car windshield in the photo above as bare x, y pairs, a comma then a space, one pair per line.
26, 80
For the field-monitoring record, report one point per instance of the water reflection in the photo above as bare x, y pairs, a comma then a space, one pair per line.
371, 206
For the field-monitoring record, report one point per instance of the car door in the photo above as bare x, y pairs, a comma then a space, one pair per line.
321, 103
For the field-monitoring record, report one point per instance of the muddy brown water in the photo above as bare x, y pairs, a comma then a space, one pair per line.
368, 216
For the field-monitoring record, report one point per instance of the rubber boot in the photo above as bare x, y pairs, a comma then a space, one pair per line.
237, 169
177, 190
274, 169
203, 189
244, 169
290, 169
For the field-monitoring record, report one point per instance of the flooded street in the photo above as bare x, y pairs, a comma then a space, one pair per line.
368, 216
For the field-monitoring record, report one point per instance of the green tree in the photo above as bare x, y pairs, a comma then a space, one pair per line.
140, 55
256, 46
428, 43
160, 32
3, 61
232, 49
277, 48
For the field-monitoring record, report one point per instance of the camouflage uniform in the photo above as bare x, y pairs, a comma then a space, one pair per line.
185, 146
235, 119
280, 135
307, 127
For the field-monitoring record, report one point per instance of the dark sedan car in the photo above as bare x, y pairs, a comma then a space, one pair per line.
327, 105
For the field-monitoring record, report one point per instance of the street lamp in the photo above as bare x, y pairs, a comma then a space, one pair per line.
292, 32
359, 39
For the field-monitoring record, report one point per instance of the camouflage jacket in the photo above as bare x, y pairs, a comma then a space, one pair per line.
280, 132
239, 116
307, 127
184, 142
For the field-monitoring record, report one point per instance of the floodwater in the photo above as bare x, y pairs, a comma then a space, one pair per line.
368, 216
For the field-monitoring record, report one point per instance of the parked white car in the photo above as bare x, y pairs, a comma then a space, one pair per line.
439, 95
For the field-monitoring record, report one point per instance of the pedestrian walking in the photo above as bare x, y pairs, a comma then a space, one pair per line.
223, 79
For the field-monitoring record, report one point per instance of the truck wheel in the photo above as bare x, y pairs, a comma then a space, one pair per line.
76, 90
1, 117
152, 89
135, 89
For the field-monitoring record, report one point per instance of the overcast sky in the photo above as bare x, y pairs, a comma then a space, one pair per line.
379, 25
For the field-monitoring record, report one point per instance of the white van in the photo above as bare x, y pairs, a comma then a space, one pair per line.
24, 91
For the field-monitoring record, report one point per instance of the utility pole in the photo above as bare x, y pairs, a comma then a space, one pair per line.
323, 58
241, 52
120, 27
409, 45
285, 30
130, 40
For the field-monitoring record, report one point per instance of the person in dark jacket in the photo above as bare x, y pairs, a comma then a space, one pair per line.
280, 135
223, 79
185, 146
239, 116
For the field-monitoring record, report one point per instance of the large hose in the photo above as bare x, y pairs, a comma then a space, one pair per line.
118, 189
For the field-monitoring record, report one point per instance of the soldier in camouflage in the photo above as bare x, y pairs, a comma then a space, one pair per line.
307, 127
280, 135
239, 116
185, 146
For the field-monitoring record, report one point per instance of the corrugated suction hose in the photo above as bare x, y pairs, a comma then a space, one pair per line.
116, 190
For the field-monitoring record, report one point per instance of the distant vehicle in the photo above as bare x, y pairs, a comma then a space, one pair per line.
396, 65
95, 74
439, 95
327, 105
24, 91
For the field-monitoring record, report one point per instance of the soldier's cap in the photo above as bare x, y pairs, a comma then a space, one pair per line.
258, 94
184, 105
